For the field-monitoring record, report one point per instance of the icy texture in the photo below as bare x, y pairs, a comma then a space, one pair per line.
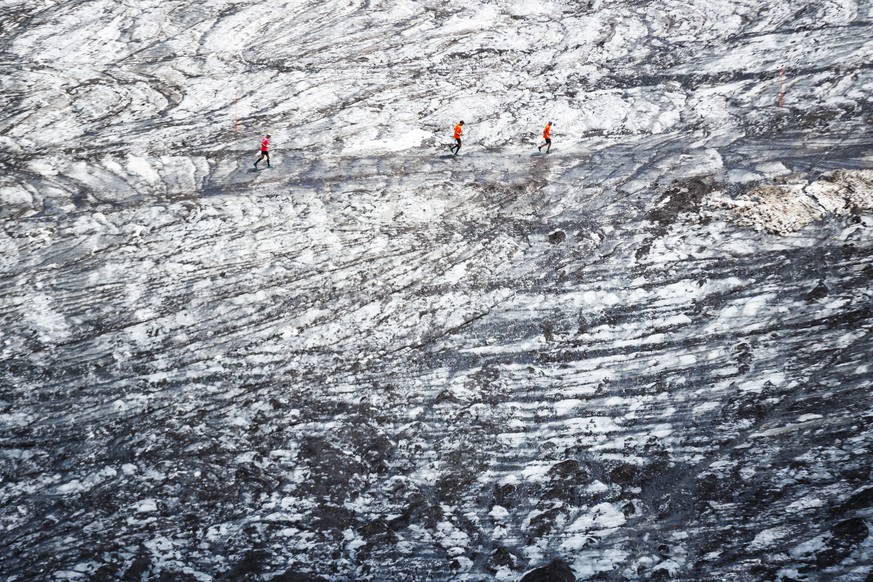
645, 355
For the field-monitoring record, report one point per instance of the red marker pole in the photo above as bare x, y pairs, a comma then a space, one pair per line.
781, 93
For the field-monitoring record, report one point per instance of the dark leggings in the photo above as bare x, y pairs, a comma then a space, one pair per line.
457, 147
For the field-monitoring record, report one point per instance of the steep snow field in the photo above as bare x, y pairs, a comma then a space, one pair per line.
646, 355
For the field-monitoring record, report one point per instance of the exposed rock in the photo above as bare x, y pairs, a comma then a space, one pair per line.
558, 236
556, 571
786, 208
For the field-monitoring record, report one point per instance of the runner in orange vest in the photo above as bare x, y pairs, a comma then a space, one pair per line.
547, 135
265, 151
458, 132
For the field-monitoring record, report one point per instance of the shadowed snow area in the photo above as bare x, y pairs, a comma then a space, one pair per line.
646, 355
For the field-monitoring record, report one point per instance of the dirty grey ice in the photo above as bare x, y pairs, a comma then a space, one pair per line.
645, 355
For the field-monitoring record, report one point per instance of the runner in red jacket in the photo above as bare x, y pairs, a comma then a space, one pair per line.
265, 151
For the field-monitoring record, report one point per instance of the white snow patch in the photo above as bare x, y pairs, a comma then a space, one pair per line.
810, 502
498, 512
146, 506
601, 519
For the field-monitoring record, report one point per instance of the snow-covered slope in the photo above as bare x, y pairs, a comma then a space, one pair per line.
646, 355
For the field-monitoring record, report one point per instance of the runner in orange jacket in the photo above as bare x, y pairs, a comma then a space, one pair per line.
547, 135
459, 131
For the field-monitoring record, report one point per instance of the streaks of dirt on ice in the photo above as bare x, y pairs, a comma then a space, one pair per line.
645, 355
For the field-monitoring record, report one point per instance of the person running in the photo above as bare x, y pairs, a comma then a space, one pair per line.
459, 131
547, 135
265, 151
